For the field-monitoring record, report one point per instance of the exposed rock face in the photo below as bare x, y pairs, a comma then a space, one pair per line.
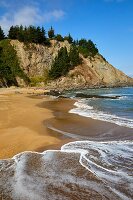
96, 72
35, 58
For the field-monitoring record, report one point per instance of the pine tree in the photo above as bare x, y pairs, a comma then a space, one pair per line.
38, 37
51, 33
69, 38
59, 38
43, 32
61, 64
92, 48
13, 32
74, 56
2, 36
21, 34
87, 48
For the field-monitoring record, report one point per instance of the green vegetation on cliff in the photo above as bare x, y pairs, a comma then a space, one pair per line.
9, 65
37, 35
29, 34
51, 33
64, 61
2, 35
87, 48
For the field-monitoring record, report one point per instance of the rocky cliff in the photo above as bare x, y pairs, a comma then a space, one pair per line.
93, 72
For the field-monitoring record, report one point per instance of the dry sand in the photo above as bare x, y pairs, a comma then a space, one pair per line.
21, 123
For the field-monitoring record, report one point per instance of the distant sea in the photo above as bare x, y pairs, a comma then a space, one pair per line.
118, 111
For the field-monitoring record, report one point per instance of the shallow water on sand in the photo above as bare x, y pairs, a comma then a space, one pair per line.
80, 170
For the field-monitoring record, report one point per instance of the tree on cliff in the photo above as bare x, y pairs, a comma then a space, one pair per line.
59, 38
28, 34
51, 33
64, 62
87, 48
69, 38
13, 32
9, 65
2, 36
74, 56
61, 64
92, 48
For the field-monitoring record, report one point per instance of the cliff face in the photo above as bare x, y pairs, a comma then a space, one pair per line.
93, 73
35, 58
97, 72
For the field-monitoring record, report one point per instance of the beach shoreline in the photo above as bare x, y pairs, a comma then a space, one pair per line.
39, 123
41, 143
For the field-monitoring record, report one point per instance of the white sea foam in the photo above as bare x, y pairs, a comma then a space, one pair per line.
82, 105
40, 175
109, 161
87, 111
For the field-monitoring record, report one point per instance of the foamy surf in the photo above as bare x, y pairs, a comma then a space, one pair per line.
88, 111
80, 170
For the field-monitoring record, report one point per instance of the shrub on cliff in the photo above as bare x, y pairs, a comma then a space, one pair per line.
87, 48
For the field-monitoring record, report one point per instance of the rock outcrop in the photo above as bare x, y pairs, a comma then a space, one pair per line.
93, 72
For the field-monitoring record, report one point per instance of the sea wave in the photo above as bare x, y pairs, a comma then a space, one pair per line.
109, 161
87, 111
80, 170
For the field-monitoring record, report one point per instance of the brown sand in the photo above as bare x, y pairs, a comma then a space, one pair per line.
21, 125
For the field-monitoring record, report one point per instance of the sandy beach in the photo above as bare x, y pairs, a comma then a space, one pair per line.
21, 123
30, 124
38, 123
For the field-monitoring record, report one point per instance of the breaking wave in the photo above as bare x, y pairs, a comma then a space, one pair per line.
87, 111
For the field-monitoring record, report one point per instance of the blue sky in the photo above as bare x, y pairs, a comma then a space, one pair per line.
109, 23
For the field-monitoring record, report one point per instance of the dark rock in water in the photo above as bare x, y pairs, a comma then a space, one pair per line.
82, 95
53, 93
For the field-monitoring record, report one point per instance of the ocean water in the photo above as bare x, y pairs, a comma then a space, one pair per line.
118, 111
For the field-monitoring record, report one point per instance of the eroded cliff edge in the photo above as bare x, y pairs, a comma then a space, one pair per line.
36, 59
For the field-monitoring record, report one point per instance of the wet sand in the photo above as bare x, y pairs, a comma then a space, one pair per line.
82, 128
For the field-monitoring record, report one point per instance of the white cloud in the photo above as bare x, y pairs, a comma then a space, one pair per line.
29, 15
55, 14
26, 16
